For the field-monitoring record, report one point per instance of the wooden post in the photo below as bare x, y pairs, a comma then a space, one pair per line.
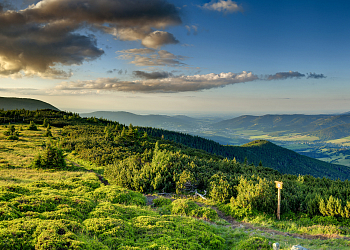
279, 187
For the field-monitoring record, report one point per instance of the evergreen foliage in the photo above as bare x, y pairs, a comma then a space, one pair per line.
11, 133
52, 158
32, 126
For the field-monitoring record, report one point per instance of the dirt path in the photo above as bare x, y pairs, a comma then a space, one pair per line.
239, 224
100, 177
245, 225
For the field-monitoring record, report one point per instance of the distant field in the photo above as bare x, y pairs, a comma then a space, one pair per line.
257, 135
343, 141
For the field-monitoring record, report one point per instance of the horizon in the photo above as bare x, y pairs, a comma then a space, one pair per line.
216, 57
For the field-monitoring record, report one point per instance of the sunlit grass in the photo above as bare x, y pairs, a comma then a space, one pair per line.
20, 153
27, 175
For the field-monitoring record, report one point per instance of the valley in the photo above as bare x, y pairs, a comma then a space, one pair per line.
300, 132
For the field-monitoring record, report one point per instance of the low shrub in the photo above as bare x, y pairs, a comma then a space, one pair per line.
254, 243
159, 202
115, 194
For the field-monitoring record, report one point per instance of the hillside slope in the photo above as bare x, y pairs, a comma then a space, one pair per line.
159, 121
272, 156
294, 123
12, 103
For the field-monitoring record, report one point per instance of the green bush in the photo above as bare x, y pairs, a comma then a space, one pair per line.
183, 207
159, 202
52, 158
32, 126
11, 133
8, 212
57, 234
254, 243
118, 211
205, 212
115, 194
189, 208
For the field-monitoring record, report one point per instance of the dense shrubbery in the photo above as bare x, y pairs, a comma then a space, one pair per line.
142, 164
81, 213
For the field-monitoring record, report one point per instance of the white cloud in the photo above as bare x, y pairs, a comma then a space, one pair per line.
227, 6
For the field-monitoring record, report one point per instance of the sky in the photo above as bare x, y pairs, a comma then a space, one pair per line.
178, 56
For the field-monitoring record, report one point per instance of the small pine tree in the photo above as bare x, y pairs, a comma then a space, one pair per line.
48, 132
52, 158
11, 133
32, 126
45, 123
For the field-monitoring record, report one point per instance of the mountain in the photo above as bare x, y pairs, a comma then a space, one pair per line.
333, 133
179, 122
284, 160
293, 123
12, 103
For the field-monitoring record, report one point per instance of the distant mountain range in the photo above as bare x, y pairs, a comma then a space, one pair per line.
326, 127
178, 122
12, 103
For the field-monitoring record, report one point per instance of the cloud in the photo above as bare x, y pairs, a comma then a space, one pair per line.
284, 75
151, 57
152, 75
111, 71
227, 6
315, 76
190, 28
45, 36
165, 85
158, 38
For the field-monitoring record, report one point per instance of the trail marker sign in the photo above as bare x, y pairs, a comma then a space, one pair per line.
279, 186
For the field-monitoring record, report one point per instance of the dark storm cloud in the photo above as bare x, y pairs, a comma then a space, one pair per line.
131, 13
152, 75
284, 75
45, 35
315, 76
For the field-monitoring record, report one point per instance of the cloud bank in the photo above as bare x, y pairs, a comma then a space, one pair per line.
162, 85
166, 82
38, 39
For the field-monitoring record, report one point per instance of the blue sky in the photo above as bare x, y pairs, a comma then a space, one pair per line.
184, 57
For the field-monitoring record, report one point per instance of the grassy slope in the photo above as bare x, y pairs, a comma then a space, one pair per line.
12, 103
71, 209
298, 123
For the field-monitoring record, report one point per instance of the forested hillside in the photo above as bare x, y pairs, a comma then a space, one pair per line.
332, 133
158, 121
293, 123
12, 103
77, 210
269, 154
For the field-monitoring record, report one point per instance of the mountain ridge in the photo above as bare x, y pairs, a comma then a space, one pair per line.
12, 103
